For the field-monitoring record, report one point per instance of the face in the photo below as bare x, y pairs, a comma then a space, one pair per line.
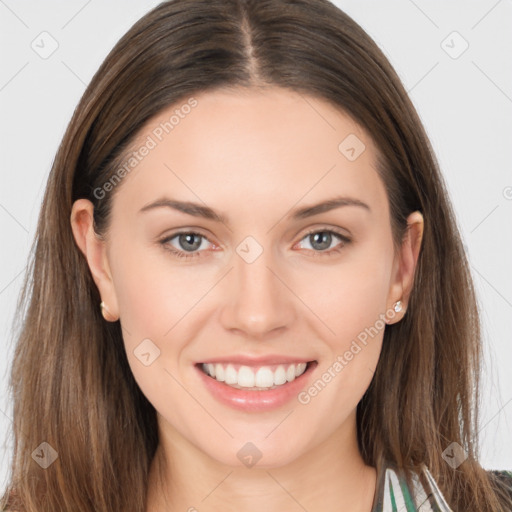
255, 283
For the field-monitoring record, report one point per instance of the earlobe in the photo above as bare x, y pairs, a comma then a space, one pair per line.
94, 250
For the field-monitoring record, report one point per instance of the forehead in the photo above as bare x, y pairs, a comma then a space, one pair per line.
226, 147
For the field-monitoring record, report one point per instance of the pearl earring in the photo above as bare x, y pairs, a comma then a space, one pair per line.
397, 306
104, 311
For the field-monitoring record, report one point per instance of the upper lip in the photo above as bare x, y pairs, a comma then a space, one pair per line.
257, 361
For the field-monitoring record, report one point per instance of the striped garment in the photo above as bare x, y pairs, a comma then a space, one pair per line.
393, 494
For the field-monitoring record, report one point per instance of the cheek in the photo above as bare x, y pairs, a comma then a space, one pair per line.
160, 302
154, 299
355, 314
350, 299
153, 293
348, 296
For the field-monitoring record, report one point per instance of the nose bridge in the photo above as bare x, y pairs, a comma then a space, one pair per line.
260, 302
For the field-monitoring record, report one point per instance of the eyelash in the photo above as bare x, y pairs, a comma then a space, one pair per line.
181, 254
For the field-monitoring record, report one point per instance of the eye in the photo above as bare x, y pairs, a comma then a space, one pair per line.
187, 242
321, 240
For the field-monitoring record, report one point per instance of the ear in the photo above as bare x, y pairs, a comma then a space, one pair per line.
405, 265
94, 249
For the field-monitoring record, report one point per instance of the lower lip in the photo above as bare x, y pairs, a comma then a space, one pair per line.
256, 401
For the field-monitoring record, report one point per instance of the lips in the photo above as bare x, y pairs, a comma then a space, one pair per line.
255, 399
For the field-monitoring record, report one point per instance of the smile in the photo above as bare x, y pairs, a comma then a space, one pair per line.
255, 388
256, 378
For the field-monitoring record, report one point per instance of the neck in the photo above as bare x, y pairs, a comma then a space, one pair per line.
331, 476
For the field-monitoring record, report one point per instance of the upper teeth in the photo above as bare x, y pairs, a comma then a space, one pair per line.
259, 377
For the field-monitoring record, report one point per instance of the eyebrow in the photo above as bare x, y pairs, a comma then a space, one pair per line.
199, 210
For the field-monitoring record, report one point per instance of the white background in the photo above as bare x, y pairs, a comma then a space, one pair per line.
465, 104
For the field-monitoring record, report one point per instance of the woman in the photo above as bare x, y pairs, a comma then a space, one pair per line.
248, 284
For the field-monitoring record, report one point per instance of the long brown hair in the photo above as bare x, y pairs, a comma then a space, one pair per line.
71, 382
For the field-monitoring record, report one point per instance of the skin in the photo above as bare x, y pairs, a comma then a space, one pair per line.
253, 156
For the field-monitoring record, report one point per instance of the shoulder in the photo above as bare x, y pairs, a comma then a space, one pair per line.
398, 489
503, 478
502, 475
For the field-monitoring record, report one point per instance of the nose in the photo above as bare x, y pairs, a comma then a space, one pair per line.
258, 300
